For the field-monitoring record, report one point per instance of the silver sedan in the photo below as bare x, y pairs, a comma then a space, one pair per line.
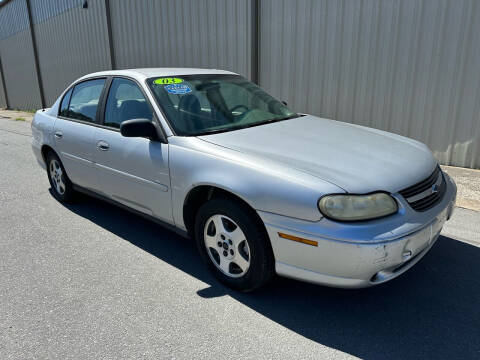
262, 190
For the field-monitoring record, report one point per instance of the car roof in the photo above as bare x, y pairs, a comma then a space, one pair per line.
144, 73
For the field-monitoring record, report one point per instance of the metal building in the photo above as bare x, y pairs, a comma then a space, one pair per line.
407, 66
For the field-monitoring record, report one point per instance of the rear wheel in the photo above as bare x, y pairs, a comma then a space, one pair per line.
61, 185
234, 243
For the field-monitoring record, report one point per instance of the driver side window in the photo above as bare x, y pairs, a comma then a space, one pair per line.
125, 102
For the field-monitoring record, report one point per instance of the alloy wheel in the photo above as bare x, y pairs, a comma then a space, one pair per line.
56, 174
227, 246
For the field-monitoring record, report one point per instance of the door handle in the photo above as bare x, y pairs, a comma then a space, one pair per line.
58, 134
103, 146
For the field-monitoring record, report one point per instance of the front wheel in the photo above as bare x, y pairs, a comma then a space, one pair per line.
234, 243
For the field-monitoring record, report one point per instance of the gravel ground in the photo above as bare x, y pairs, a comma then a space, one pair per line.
91, 281
468, 184
16, 115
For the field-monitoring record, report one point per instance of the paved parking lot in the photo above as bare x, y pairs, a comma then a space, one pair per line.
89, 280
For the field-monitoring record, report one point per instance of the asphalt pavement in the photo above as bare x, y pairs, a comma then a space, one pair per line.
91, 281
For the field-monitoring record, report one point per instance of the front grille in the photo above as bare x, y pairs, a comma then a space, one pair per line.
413, 194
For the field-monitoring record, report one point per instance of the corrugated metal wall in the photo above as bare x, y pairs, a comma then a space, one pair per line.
411, 67
3, 102
17, 57
71, 43
182, 33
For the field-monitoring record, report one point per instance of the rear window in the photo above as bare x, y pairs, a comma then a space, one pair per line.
85, 98
64, 105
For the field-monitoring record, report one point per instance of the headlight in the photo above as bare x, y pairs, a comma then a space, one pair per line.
357, 207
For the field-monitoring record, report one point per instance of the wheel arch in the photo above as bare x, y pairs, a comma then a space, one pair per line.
200, 194
45, 150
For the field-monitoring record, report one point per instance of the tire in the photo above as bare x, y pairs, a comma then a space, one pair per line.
241, 260
62, 187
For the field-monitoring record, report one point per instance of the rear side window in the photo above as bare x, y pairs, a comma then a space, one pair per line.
84, 101
64, 103
125, 102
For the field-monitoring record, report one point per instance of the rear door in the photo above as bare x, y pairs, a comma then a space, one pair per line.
132, 171
75, 129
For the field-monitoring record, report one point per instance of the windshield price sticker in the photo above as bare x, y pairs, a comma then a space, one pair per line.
168, 80
178, 89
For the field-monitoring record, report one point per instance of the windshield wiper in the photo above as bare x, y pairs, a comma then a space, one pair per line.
293, 116
214, 131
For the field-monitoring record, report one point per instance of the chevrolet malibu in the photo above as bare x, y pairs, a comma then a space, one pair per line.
261, 189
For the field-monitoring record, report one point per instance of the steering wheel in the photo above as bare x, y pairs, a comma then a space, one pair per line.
238, 107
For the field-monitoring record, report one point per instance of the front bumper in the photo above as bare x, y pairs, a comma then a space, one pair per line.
362, 254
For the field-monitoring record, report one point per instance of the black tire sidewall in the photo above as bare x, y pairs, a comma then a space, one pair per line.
261, 255
68, 195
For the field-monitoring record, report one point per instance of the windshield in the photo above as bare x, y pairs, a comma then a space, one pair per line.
204, 104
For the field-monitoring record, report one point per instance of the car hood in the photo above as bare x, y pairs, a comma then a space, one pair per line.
355, 158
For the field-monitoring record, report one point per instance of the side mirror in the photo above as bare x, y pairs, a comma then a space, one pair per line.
141, 128
284, 102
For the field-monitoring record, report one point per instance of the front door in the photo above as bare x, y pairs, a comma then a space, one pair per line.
132, 171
